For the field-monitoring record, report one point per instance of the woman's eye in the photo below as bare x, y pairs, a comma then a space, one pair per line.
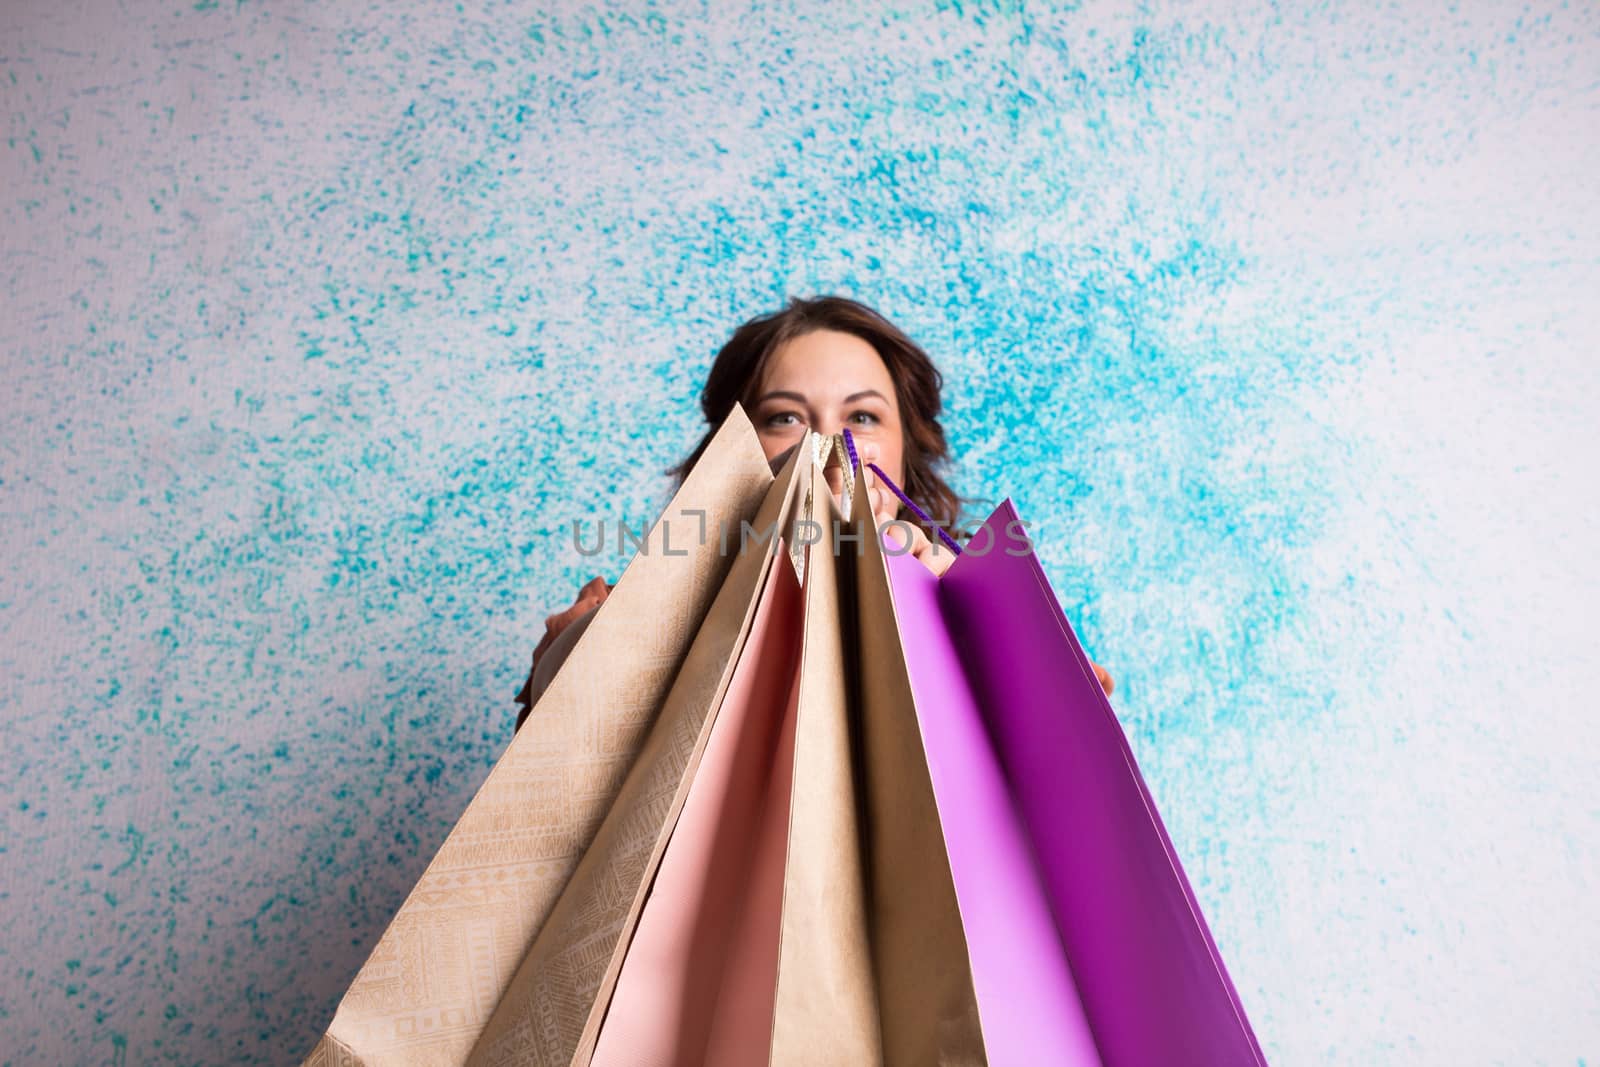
779, 419
865, 418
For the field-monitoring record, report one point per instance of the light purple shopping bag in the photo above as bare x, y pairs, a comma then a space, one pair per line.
990, 635
1028, 1004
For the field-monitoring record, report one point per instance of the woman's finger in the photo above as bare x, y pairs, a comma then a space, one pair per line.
562, 619
1106, 681
885, 506
932, 555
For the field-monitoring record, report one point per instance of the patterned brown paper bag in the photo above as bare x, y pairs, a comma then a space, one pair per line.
449, 956
551, 1013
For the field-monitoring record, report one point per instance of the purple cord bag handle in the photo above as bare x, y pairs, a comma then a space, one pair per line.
855, 461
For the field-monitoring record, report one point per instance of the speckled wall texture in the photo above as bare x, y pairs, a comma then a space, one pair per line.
322, 322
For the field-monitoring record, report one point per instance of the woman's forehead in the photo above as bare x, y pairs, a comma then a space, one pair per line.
827, 366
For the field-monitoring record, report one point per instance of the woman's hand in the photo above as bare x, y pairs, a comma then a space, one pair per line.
938, 559
1107, 682
934, 555
885, 508
591, 595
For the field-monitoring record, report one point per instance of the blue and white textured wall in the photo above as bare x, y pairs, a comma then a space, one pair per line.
322, 322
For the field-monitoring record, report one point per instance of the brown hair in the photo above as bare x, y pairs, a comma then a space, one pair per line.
737, 370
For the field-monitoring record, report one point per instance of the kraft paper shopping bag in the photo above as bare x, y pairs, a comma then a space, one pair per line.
872, 964
551, 1011
927, 1005
825, 1007
849, 948
448, 957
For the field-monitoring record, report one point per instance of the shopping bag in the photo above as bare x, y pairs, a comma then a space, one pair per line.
927, 1001
1026, 751
843, 945
550, 1012
448, 958
840, 811
669, 996
1026, 996
825, 999
700, 980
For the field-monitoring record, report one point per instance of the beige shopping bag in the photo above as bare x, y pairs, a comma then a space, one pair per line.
551, 1012
448, 958
826, 1004
873, 966
928, 1009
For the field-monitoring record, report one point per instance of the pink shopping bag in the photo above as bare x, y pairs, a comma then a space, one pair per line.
697, 981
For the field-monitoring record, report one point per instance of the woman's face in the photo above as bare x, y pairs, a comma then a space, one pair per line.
830, 381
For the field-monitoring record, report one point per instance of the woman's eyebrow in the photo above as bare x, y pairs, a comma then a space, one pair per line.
783, 394
786, 394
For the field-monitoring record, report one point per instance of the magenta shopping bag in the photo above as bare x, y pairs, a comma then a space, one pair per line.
1034, 778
